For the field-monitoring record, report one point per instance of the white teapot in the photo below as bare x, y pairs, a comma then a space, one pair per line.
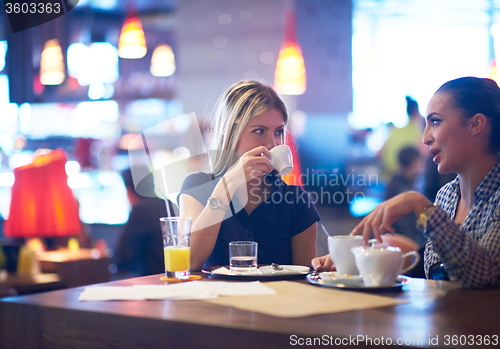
379, 264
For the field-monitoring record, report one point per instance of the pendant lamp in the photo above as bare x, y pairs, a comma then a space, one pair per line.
52, 64
132, 43
162, 61
290, 76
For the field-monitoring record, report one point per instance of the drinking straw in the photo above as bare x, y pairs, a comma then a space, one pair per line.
151, 167
324, 229
169, 213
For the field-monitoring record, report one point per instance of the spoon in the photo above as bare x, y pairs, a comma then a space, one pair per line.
276, 266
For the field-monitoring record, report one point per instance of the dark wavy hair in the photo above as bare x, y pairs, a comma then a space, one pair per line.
477, 95
411, 106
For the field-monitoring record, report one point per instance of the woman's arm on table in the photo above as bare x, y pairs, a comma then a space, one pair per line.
304, 245
204, 230
323, 263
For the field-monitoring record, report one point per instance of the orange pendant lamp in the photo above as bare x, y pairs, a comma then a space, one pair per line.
162, 61
52, 64
290, 76
132, 43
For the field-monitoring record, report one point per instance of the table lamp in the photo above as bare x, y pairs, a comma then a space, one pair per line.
42, 203
43, 206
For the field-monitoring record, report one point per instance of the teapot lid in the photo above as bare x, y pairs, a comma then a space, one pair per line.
374, 245
375, 248
377, 245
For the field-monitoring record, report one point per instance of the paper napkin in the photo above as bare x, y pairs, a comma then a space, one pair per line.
184, 291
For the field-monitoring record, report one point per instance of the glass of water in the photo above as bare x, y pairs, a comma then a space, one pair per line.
242, 256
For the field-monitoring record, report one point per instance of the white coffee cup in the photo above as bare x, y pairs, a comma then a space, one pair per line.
339, 247
379, 265
282, 159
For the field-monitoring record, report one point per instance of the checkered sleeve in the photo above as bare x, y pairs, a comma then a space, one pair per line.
475, 263
430, 258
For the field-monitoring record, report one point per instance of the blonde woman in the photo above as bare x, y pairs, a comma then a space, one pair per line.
243, 198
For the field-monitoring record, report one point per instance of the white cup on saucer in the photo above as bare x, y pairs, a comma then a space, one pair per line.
281, 159
339, 247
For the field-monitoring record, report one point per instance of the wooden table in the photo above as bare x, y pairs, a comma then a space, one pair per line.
58, 320
26, 284
76, 268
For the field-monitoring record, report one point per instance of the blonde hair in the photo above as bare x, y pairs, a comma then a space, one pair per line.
234, 109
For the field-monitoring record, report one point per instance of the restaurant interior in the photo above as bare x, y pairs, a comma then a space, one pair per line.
105, 104
73, 98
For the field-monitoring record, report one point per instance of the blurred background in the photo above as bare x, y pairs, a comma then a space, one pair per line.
68, 84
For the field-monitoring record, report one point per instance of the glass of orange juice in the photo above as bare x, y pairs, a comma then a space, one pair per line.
176, 239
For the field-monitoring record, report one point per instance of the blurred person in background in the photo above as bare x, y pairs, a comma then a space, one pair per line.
405, 179
409, 135
140, 247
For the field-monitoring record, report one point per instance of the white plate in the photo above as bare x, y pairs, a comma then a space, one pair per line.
354, 282
265, 272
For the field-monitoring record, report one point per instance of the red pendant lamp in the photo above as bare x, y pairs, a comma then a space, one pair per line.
290, 75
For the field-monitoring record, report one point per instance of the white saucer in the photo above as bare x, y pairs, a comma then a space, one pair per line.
354, 282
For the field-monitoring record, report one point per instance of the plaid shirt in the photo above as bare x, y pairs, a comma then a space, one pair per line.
470, 252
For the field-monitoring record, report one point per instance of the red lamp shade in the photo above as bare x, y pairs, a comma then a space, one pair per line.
290, 76
42, 203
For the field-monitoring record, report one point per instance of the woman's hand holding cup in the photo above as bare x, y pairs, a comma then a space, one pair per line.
251, 165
